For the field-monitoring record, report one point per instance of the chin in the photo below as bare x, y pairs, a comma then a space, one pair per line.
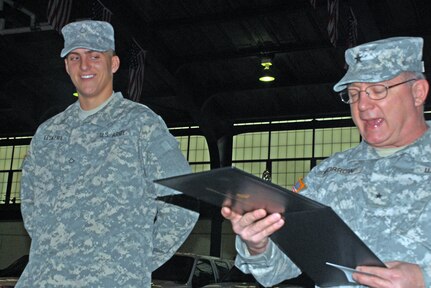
376, 143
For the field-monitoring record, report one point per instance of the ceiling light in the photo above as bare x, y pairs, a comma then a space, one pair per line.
266, 76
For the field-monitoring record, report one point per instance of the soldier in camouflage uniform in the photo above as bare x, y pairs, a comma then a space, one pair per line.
88, 199
381, 188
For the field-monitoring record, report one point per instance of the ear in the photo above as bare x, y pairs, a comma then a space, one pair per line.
115, 65
66, 66
420, 91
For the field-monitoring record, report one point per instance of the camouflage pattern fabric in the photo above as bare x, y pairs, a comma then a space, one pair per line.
88, 34
382, 60
385, 200
88, 200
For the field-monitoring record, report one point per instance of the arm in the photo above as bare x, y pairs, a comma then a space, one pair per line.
269, 268
414, 272
172, 224
27, 194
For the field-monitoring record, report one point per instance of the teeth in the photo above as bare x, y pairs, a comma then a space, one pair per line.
87, 76
375, 123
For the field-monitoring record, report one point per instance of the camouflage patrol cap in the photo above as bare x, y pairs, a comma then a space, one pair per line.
382, 60
88, 34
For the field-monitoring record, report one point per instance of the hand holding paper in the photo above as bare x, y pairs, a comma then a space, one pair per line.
396, 274
254, 227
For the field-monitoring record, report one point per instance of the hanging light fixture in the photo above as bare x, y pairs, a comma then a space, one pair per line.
266, 76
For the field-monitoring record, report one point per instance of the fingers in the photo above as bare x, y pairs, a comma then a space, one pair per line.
240, 219
254, 227
227, 213
373, 270
253, 222
397, 274
371, 279
258, 224
393, 264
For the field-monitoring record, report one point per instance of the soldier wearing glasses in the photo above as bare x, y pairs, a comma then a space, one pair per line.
381, 188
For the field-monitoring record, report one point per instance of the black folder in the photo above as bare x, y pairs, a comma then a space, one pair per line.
313, 236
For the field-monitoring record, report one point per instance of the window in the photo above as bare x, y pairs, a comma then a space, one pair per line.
292, 144
291, 153
250, 146
195, 150
329, 141
12, 153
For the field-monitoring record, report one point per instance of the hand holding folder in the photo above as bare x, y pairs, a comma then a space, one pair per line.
314, 236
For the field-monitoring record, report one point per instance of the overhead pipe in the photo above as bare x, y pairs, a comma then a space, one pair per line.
27, 12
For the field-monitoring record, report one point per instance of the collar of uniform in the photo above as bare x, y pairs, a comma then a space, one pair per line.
367, 152
101, 118
104, 117
363, 152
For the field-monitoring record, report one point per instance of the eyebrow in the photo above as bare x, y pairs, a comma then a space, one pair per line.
85, 52
384, 82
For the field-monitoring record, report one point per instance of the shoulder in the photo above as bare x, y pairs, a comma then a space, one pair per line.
58, 120
138, 118
135, 112
344, 157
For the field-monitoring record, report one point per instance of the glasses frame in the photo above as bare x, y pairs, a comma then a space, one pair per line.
346, 93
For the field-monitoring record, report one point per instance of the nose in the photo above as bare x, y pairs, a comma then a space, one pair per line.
364, 101
85, 63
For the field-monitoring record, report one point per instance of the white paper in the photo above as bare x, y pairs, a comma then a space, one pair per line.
347, 271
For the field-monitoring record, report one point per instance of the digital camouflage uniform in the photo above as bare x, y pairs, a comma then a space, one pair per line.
88, 200
384, 200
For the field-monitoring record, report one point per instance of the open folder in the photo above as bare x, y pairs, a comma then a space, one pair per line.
313, 235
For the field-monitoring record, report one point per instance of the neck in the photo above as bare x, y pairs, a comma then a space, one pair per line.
423, 127
89, 103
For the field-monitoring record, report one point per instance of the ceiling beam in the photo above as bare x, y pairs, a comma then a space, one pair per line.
365, 17
254, 52
235, 15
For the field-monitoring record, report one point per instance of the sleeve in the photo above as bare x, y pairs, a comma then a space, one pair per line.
422, 238
269, 268
27, 194
173, 224
426, 270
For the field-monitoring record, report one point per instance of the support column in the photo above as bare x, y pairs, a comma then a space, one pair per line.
224, 145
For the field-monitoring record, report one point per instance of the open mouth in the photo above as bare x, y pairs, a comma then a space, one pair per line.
374, 123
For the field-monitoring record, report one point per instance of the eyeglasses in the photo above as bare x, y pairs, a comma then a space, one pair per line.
374, 92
